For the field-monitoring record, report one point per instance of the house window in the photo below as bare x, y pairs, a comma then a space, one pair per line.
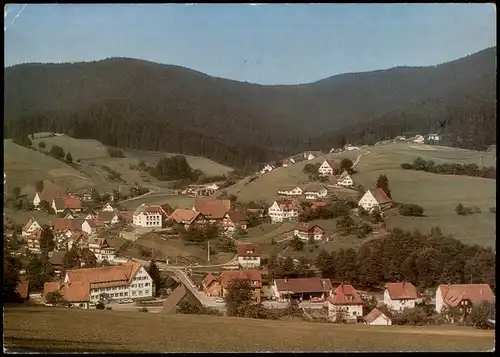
147, 291
126, 293
121, 294
134, 293
140, 292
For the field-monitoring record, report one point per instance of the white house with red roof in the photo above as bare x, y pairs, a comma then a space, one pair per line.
252, 275
347, 300
399, 296
462, 296
284, 210
30, 227
375, 198
233, 220
148, 216
249, 255
379, 316
329, 167
306, 231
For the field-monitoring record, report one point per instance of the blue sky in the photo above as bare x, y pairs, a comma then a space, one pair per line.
266, 44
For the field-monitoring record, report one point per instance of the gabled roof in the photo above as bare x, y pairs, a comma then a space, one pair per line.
377, 312
334, 164
61, 224
50, 191
286, 188
230, 275
57, 258
303, 285
318, 204
118, 273
288, 205
30, 222
100, 242
210, 208
401, 291
249, 250
127, 215
344, 175
237, 216
345, 294
171, 302
106, 216
475, 293
184, 216
167, 208
71, 202
153, 209
209, 279
314, 187
94, 223
380, 195
307, 227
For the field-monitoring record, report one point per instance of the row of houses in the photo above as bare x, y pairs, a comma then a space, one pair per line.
305, 156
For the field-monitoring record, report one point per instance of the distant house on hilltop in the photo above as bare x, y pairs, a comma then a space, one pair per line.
50, 191
375, 198
267, 168
309, 156
329, 167
314, 191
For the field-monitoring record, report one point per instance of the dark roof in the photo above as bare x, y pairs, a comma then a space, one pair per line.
244, 248
304, 285
171, 302
57, 258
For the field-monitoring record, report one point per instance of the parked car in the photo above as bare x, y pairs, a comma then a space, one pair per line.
220, 301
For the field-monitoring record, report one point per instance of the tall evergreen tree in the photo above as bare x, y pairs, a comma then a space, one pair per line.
383, 183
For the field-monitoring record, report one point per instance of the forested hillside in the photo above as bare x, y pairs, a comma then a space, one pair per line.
142, 105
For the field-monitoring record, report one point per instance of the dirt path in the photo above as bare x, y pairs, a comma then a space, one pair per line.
356, 162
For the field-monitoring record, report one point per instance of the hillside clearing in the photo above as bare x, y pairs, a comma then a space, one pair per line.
55, 330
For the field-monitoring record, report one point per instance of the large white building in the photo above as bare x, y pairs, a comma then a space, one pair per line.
345, 299
284, 210
85, 287
148, 216
399, 296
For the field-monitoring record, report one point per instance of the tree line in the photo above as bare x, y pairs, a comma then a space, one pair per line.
473, 170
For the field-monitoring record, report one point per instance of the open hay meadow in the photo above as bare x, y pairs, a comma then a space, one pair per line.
28, 329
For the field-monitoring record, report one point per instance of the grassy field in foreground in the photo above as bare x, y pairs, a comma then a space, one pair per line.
55, 330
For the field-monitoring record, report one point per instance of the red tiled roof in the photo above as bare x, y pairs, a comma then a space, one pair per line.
237, 216
401, 291
288, 205
380, 195
345, 295
94, 223
127, 215
70, 202
154, 209
377, 312
22, 288
181, 215
124, 272
230, 275
318, 204
209, 279
303, 285
215, 209
244, 248
61, 224
454, 294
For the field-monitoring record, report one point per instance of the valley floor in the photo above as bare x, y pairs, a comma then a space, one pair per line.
43, 329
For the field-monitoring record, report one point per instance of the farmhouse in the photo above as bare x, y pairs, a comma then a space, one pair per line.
211, 286
267, 168
71, 203
108, 208
108, 217
345, 301
249, 255
301, 289
102, 250
92, 226
290, 190
309, 156
284, 210
306, 231
126, 216
254, 276
148, 216
213, 210
399, 296
82, 287
315, 191
345, 180
188, 217
375, 198
329, 167
67, 214
418, 139
233, 220
30, 227
77, 239
379, 316
463, 296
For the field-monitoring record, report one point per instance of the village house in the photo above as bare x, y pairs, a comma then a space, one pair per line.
101, 249
309, 156
288, 162
329, 168
462, 296
433, 137
57, 261
30, 227
399, 296
418, 139
315, 191
314, 205
33, 241
92, 226
375, 198
345, 180
180, 294
213, 210
85, 287
346, 301
379, 316
267, 168
258, 212
109, 218
89, 213
233, 220
211, 286
126, 216
284, 210
290, 190
306, 231
61, 224
71, 203
313, 288
50, 191
254, 276
108, 208
78, 240
188, 218
148, 216
249, 255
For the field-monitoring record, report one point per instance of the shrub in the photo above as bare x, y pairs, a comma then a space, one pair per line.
406, 166
42, 145
100, 306
57, 152
416, 316
109, 308
143, 309
411, 210
115, 152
